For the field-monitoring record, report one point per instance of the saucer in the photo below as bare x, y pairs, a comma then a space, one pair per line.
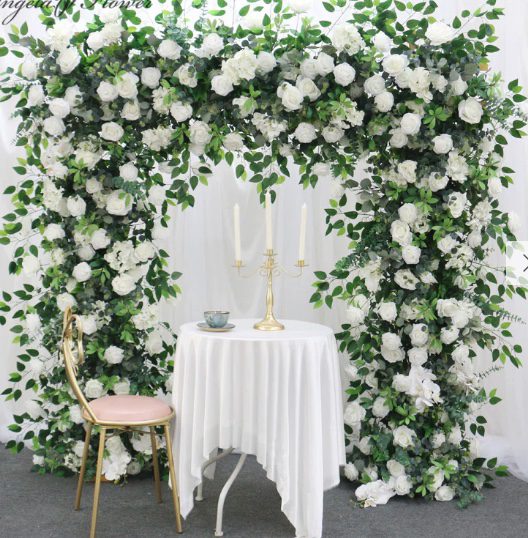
202, 325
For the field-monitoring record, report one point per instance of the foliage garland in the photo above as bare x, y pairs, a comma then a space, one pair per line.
121, 121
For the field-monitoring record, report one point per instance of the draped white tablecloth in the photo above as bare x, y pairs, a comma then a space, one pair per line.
275, 395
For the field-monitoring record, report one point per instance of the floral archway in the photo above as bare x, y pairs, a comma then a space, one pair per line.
110, 117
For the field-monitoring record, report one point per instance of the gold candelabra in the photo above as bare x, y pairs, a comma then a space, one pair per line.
269, 269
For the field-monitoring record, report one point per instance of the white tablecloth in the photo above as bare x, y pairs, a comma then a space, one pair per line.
275, 395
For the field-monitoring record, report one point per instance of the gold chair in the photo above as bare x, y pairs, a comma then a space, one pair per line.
120, 413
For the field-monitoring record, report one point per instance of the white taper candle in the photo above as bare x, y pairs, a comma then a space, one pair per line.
302, 233
269, 228
236, 221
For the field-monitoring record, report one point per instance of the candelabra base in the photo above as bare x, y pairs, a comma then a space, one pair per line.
269, 324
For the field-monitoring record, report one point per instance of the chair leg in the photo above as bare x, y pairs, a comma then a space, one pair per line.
174, 488
155, 463
98, 473
80, 482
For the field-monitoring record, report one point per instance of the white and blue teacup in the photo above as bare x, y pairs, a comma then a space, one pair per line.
216, 319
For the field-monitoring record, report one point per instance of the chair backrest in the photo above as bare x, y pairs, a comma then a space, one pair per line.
70, 361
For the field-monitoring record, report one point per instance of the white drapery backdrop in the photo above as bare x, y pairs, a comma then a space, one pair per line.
200, 242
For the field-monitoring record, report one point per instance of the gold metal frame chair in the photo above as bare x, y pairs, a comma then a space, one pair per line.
72, 363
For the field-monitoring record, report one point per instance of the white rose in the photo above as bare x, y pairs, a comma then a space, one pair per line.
405, 279
94, 389
417, 356
122, 387
401, 233
399, 139
439, 33
82, 272
30, 265
322, 170
419, 334
351, 472
76, 206
211, 46
411, 254
395, 468
131, 111
96, 41
380, 409
395, 64
93, 186
111, 131
410, 124
444, 493
374, 493
76, 414
514, 222
387, 311
221, 84
128, 172
169, 49
403, 436
33, 409
474, 239
144, 251
400, 383
154, 343
127, 86
35, 95
391, 341
324, 64
200, 133
156, 195
308, 88
438, 439
150, 77
384, 101
119, 203
113, 355
253, 20
459, 86
347, 37
375, 85
233, 142
456, 204
68, 60
59, 107
100, 239
442, 144
402, 485
85, 252
470, 111
448, 335
495, 187
265, 62
354, 414
123, 284
181, 111
107, 92
54, 126
344, 74
187, 75
308, 68
455, 437
305, 133
408, 213
438, 477
291, 96
355, 315
53, 232
28, 69
33, 323
333, 133
65, 300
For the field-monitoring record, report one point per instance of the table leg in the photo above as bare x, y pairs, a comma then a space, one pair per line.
223, 454
224, 492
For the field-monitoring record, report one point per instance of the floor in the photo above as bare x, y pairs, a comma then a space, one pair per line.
41, 506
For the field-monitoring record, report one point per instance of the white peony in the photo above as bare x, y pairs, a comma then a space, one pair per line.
395, 64
222, 84
290, 96
211, 46
382, 42
346, 37
111, 131
375, 85
459, 86
384, 101
150, 77
514, 222
265, 62
169, 49
374, 493
470, 111
123, 284
305, 133
442, 144
344, 74
114, 355
308, 88
410, 124
100, 239
456, 204
82, 272
439, 33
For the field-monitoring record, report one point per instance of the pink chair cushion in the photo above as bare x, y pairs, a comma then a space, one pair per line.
129, 408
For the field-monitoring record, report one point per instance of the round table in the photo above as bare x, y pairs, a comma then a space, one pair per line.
276, 395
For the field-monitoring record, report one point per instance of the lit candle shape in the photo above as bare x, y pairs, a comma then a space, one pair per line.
269, 230
302, 233
236, 220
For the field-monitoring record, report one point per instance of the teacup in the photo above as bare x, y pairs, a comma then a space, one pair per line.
216, 319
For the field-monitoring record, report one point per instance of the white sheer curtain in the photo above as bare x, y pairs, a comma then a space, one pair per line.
200, 242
